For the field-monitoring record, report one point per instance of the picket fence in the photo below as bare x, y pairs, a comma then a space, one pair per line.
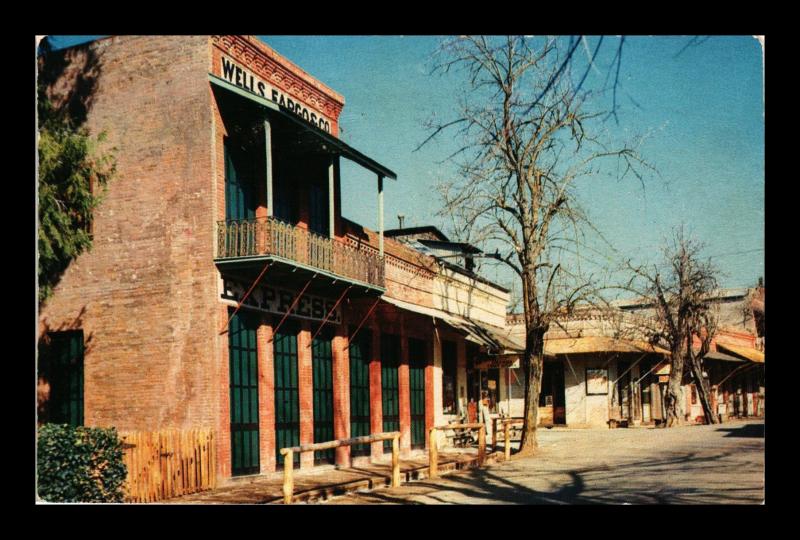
168, 463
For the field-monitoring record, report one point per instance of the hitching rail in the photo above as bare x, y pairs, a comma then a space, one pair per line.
433, 450
288, 457
507, 446
514, 420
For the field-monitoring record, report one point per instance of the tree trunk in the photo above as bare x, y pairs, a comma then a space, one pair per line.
703, 391
673, 401
533, 366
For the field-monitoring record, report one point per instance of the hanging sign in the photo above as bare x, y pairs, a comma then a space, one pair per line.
247, 80
275, 300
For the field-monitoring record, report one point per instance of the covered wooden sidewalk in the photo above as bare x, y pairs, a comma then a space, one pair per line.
324, 482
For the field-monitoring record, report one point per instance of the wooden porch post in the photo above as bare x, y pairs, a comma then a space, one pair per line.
268, 145
380, 214
331, 199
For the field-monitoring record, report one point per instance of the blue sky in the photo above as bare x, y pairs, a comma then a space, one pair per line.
703, 110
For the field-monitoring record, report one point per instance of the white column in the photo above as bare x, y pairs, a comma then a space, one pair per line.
438, 415
380, 214
268, 156
331, 196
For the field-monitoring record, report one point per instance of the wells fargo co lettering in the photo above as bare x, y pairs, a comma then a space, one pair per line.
278, 301
242, 78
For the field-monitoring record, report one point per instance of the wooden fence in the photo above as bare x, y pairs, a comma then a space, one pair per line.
168, 463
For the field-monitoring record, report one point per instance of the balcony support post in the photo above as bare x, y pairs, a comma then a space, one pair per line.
380, 214
268, 146
331, 196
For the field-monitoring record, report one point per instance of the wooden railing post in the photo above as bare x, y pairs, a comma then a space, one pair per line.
481, 444
396, 461
288, 481
494, 434
433, 455
507, 447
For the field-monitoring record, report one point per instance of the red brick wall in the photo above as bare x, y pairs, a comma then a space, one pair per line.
341, 393
404, 391
375, 403
266, 398
305, 380
429, 382
223, 428
145, 295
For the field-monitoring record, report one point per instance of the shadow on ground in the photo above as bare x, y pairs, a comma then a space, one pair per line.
747, 430
636, 482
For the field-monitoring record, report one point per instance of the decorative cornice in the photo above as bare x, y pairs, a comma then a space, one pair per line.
276, 69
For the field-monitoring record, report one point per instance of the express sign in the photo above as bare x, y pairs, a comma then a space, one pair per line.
274, 300
243, 78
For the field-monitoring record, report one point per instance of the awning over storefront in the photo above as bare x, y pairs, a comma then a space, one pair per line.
499, 362
475, 332
341, 147
716, 355
743, 352
598, 344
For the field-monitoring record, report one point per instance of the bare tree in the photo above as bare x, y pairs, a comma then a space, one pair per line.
680, 291
527, 136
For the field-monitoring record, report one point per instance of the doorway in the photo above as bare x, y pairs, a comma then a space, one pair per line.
416, 369
390, 390
359, 390
243, 385
287, 404
322, 382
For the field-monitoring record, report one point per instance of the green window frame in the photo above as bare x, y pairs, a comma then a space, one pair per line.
240, 193
322, 380
287, 402
359, 390
61, 365
417, 360
243, 385
390, 389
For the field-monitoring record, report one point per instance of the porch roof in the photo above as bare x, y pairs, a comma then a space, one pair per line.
477, 332
341, 147
596, 344
743, 352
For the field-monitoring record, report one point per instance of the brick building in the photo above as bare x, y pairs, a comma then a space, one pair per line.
225, 289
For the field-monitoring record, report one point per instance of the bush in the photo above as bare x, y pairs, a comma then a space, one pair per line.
80, 464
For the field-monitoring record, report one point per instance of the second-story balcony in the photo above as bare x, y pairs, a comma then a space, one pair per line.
272, 239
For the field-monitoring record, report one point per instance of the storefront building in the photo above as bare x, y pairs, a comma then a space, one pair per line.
599, 371
225, 289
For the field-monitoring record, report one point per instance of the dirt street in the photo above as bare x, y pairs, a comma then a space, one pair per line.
722, 464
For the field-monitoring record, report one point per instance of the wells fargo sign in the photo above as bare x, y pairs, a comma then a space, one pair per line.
247, 80
275, 300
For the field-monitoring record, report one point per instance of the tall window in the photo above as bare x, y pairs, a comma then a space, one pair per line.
449, 367
61, 365
318, 209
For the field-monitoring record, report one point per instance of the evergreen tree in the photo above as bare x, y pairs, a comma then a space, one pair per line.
73, 172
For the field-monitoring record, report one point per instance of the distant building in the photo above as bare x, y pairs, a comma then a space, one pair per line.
597, 371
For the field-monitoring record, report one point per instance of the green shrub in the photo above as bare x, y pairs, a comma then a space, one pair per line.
80, 464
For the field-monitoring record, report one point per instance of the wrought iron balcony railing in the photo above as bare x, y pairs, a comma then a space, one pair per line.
272, 237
